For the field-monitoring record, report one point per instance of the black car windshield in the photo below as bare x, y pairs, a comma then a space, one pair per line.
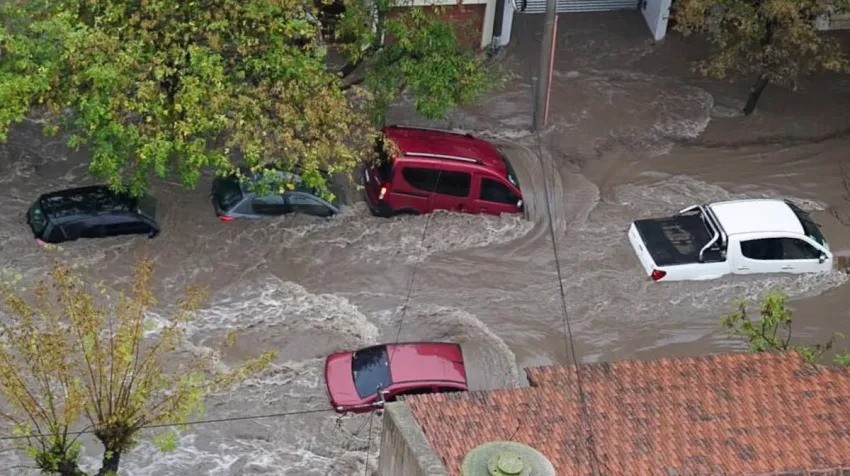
810, 228
147, 207
371, 370
36, 219
227, 193
512, 178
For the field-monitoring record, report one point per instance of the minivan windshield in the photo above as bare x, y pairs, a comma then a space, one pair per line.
810, 227
37, 219
371, 370
384, 161
512, 178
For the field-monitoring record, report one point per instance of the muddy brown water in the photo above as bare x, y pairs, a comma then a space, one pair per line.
632, 134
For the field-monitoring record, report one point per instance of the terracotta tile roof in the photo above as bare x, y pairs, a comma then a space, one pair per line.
765, 414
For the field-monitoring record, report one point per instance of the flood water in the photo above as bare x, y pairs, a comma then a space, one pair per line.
631, 134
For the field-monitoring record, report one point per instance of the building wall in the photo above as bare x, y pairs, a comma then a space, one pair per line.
404, 449
468, 20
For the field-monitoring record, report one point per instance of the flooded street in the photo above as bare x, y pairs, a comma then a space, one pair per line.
632, 134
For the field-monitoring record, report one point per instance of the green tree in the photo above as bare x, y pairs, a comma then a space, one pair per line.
70, 354
775, 41
771, 331
170, 88
415, 49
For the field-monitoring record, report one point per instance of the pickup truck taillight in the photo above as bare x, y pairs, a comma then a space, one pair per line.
657, 274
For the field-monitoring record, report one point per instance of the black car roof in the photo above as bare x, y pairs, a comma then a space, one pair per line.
86, 201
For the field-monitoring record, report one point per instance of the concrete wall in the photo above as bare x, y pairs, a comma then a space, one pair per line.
404, 449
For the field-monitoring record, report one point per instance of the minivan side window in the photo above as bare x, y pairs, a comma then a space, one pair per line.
423, 179
493, 191
762, 249
455, 184
451, 183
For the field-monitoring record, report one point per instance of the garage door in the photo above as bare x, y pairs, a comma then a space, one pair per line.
575, 6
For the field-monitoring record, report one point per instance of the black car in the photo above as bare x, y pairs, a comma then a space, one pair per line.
233, 199
91, 212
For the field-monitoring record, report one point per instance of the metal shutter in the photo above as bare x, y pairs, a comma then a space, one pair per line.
575, 6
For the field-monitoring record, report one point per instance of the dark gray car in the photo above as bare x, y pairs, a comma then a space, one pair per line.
232, 199
91, 212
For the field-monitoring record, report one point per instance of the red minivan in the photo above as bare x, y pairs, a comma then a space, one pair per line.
439, 170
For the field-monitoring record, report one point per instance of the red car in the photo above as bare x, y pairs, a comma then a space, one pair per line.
440, 170
361, 381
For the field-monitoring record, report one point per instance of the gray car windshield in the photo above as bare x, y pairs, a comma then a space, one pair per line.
371, 370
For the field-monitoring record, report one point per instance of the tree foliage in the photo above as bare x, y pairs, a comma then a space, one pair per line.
421, 53
69, 354
170, 88
774, 40
771, 331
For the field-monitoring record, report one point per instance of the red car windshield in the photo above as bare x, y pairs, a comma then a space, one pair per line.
371, 370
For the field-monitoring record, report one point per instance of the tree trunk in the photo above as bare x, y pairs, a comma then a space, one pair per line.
755, 94
69, 468
109, 464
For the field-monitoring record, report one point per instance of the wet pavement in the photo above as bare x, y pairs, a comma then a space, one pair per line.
632, 134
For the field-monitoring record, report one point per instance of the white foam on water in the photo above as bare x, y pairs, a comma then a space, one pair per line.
270, 301
489, 361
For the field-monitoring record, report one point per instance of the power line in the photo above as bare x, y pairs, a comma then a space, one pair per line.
415, 265
569, 344
368, 448
188, 423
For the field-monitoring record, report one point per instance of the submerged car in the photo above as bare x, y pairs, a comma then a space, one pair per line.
91, 212
361, 381
232, 198
433, 169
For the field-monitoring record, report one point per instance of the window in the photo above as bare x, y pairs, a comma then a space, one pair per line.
371, 370
444, 182
227, 193
793, 248
423, 179
811, 228
303, 203
763, 249
511, 175
36, 219
493, 191
455, 184
385, 162
269, 205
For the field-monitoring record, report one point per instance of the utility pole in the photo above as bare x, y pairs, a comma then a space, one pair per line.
544, 75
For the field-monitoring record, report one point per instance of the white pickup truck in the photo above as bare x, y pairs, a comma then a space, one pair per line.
737, 237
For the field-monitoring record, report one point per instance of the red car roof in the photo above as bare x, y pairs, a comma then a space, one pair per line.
432, 361
410, 139
410, 363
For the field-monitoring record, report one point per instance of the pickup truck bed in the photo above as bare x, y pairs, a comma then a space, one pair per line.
674, 240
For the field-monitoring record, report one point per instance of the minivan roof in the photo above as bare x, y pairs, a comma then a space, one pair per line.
85, 201
440, 142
